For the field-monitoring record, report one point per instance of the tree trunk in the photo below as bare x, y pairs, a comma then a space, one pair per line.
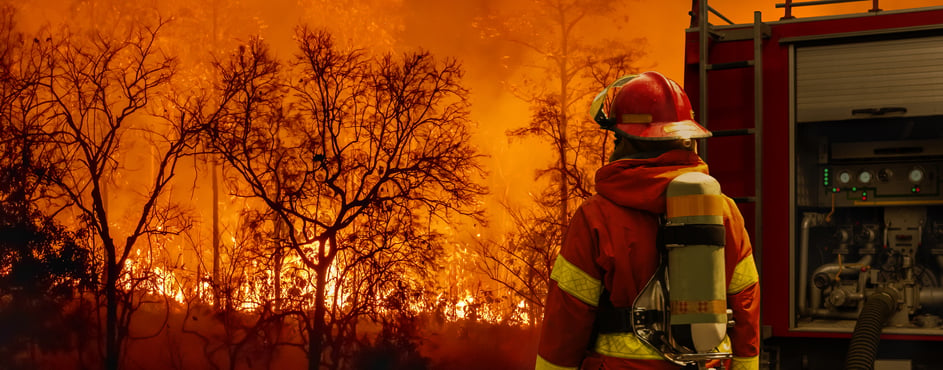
217, 291
316, 334
564, 98
564, 180
112, 341
277, 274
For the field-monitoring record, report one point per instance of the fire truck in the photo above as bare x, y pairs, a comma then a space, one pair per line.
828, 132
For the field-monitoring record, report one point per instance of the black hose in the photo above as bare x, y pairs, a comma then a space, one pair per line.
864, 341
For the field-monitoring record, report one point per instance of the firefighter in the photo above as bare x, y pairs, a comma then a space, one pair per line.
609, 251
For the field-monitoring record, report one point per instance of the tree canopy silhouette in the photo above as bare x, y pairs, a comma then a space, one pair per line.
337, 138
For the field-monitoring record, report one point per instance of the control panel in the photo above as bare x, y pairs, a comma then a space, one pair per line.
872, 184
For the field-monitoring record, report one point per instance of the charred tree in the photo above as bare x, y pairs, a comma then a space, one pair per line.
43, 265
570, 65
334, 135
98, 90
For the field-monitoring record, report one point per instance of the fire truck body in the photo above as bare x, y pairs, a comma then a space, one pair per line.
829, 134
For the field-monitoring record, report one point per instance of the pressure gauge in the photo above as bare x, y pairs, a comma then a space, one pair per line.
844, 177
916, 175
864, 177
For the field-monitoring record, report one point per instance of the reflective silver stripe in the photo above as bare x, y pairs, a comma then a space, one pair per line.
546, 365
745, 363
744, 275
627, 346
576, 282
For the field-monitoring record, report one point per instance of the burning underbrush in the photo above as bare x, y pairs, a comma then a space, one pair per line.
167, 334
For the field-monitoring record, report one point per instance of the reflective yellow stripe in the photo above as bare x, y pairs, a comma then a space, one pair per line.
576, 282
625, 345
628, 346
546, 365
695, 205
724, 346
636, 118
745, 363
744, 275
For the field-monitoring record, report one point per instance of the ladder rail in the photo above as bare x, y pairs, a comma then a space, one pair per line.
758, 137
704, 35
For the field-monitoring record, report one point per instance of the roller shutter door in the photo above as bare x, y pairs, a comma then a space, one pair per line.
870, 79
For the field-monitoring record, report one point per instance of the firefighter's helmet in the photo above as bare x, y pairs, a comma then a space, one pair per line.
648, 106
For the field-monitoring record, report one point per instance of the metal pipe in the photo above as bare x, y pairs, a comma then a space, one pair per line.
830, 269
826, 271
818, 2
939, 263
808, 220
721, 16
830, 314
931, 298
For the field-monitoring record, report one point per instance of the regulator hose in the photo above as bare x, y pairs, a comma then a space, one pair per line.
864, 341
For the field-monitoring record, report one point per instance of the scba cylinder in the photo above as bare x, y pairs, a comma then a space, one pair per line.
694, 237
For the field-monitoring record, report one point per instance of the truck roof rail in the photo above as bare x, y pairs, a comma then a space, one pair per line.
789, 4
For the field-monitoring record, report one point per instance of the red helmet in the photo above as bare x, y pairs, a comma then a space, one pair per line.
650, 107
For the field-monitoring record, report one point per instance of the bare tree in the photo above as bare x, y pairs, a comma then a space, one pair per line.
98, 90
570, 65
338, 136
384, 277
521, 262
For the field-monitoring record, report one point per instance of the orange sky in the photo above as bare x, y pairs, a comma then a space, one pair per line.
445, 28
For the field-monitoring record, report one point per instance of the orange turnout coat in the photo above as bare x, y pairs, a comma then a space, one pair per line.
610, 244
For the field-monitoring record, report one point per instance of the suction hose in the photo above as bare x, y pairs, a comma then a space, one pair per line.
864, 341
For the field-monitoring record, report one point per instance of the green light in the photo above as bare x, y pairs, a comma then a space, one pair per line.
854, 188
826, 170
864, 193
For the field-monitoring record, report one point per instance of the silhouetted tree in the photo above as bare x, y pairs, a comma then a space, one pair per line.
98, 90
339, 135
571, 64
43, 269
522, 261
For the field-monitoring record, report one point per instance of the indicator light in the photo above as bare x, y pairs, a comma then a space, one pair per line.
854, 188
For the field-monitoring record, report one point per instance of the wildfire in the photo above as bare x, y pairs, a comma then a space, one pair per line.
254, 288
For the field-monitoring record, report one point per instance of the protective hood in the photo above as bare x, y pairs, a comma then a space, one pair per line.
640, 183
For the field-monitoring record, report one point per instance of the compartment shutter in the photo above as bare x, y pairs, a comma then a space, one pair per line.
884, 78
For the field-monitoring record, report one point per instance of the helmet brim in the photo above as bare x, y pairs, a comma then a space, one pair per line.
662, 131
